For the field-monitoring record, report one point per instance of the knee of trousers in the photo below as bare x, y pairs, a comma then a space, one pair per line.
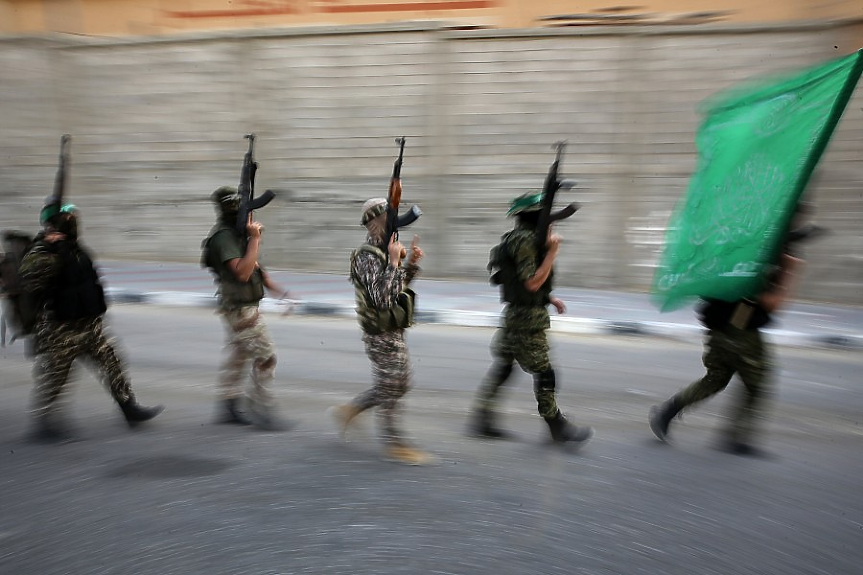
394, 387
544, 384
544, 381
266, 363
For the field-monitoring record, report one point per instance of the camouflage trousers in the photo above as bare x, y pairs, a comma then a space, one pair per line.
58, 345
530, 349
391, 373
728, 352
248, 342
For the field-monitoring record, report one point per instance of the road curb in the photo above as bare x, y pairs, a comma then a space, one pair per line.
468, 318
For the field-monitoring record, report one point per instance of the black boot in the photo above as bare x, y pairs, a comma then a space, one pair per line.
660, 417
563, 431
482, 425
136, 413
232, 412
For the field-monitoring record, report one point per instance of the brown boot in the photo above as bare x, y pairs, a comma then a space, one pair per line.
401, 453
343, 415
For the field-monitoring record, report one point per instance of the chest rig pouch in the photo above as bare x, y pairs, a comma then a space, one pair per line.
375, 321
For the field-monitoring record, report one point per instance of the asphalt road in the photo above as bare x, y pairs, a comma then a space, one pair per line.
185, 496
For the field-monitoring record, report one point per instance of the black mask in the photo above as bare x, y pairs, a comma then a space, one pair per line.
229, 209
67, 224
529, 219
229, 217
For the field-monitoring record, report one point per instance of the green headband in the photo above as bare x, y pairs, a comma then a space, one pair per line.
530, 202
52, 210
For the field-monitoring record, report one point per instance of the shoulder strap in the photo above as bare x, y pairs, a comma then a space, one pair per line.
369, 249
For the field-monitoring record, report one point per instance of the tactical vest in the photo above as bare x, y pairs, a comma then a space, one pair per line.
375, 321
742, 314
77, 293
232, 292
504, 273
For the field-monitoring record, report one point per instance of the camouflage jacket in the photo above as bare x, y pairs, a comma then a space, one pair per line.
380, 287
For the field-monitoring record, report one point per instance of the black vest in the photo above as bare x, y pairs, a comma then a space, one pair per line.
77, 293
503, 271
717, 314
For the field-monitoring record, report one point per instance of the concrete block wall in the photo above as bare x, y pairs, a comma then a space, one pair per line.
157, 124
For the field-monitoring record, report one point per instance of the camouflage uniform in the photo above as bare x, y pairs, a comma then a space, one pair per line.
382, 284
59, 344
248, 337
522, 336
60, 339
731, 347
248, 340
731, 351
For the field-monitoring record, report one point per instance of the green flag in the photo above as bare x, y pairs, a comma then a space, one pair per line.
757, 149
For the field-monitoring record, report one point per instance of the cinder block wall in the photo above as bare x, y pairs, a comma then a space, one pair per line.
157, 124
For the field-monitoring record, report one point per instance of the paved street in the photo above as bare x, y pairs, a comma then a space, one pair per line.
185, 496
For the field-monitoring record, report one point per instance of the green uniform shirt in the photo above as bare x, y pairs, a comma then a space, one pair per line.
528, 311
223, 245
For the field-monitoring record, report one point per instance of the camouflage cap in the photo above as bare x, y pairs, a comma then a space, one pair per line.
529, 202
372, 209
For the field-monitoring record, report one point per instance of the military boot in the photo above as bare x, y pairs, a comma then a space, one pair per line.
482, 425
135, 413
403, 453
660, 417
563, 431
232, 412
343, 415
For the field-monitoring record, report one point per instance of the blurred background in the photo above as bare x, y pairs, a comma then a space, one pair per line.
158, 94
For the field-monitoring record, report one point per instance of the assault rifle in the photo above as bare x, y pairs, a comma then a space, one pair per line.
394, 197
60, 179
802, 234
246, 189
792, 245
549, 189
796, 235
